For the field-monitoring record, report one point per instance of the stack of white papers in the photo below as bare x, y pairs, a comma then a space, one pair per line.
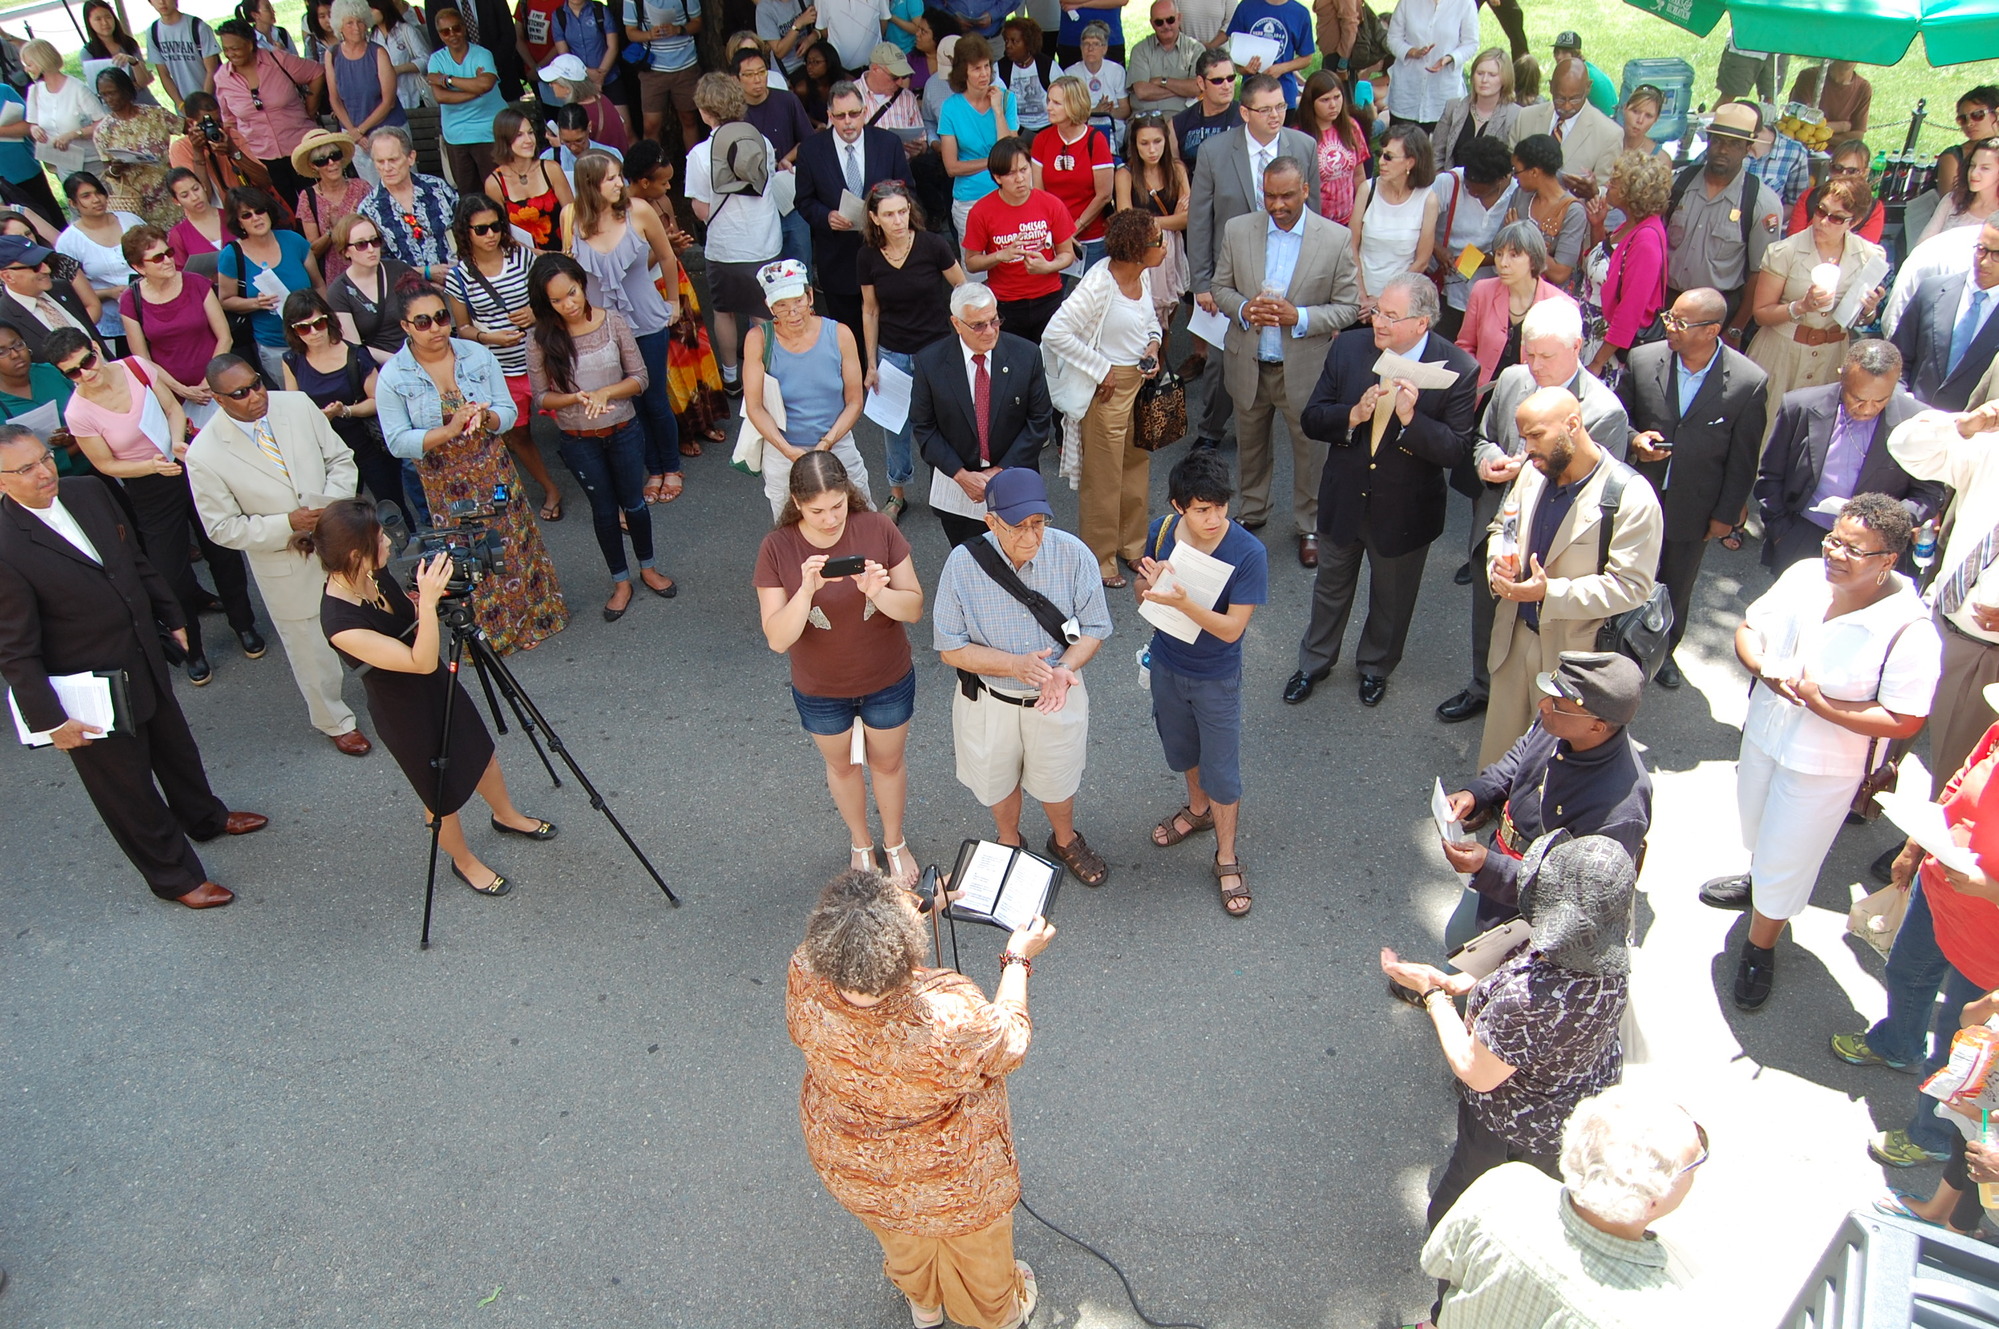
85, 697
1203, 576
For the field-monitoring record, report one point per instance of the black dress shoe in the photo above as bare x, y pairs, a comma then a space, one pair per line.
1755, 975
1373, 687
1669, 675
1300, 686
199, 671
1882, 869
253, 644
1463, 575
1461, 707
1727, 892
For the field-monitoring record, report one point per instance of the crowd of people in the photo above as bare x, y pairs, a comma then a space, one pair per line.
255, 305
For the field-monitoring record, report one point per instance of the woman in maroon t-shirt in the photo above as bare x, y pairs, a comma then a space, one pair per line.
849, 652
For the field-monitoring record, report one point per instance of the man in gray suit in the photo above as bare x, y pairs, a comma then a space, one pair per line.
1551, 347
1697, 413
1228, 182
1285, 278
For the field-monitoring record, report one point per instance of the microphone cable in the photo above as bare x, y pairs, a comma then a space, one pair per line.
1130, 1295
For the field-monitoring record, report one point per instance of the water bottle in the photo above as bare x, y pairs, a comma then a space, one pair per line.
1506, 544
1924, 550
1145, 666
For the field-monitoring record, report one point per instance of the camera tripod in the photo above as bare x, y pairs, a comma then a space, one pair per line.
454, 614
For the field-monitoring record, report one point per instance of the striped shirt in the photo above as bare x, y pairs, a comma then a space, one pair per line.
665, 54
973, 610
493, 299
1517, 1256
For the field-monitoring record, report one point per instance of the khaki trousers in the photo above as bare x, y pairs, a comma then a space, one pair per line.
1254, 451
316, 669
973, 1277
1116, 475
1515, 701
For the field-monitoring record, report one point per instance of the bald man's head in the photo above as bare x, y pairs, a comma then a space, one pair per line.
1550, 422
1702, 304
1569, 88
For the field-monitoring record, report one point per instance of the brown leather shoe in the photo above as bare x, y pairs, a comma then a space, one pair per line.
208, 895
242, 823
354, 743
1308, 551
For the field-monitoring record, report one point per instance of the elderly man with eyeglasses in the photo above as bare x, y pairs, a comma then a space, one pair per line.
78, 597
1696, 414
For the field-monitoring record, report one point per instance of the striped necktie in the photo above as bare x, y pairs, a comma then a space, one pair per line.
1952, 593
268, 445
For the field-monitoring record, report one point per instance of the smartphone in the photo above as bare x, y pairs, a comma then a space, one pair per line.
853, 565
1148, 364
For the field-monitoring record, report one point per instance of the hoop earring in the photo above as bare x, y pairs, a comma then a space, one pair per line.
1881, 580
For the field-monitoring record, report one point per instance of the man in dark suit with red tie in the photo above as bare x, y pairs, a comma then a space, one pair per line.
77, 596
1384, 502
852, 158
980, 405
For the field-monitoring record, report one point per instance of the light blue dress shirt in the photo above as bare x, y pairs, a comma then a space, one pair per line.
1280, 260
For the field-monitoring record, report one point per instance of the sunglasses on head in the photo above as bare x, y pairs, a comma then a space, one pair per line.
239, 394
486, 228
425, 322
318, 323
81, 367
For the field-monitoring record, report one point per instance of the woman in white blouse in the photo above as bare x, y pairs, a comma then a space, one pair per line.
61, 112
1432, 41
1846, 663
1395, 214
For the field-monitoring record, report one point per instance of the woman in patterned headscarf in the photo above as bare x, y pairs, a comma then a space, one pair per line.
904, 1104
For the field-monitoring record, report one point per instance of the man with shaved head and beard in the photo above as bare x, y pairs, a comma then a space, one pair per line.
1566, 575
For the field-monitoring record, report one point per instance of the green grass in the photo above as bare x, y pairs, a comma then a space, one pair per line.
1615, 33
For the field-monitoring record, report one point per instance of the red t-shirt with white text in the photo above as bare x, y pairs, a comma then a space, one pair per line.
1039, 225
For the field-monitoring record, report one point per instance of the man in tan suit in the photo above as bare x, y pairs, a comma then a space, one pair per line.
261, 470
1590, 139
1285, 278
1563, 578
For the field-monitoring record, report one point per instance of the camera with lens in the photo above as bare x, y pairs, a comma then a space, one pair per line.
212, 130
476, 548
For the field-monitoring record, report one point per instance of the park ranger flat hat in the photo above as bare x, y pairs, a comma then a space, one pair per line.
1735, 120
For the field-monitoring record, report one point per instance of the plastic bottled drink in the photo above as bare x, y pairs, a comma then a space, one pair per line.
1924, 550
1506, 544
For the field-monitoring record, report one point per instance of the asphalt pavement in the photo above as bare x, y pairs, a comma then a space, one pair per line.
579, 1107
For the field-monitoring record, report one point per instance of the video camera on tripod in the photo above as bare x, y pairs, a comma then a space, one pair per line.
476, 548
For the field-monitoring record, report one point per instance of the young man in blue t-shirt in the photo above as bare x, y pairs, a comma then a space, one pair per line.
1285, 22
1197, 685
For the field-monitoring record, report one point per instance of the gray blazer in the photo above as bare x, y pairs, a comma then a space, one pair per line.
1223, 189
1603, 417
1452, 123
1323, 285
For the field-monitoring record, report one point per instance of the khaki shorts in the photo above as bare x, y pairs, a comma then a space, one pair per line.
660, 90
1002, 747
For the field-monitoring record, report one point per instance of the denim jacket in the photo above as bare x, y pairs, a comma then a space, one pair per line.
407, 400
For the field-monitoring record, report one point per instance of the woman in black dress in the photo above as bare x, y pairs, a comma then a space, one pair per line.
370, 620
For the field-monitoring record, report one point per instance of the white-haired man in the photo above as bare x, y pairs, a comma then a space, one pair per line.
1551, 346
1520, 1250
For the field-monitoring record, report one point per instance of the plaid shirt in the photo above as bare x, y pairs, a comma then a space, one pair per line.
1787, 170
1518, 1256
972, 610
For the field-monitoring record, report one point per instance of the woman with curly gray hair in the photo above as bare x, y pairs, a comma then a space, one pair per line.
904, 1103
1580, 1251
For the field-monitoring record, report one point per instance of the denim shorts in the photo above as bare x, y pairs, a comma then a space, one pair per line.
1200, 725
889, 708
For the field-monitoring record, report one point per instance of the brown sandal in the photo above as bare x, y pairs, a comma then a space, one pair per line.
1240, 894
1197, 822
1085, 863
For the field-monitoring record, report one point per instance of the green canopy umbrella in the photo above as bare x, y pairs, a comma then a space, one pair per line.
1872, 32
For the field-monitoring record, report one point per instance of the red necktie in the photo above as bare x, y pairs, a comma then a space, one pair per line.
982, 405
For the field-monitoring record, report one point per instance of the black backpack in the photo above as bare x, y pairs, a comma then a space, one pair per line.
1643, 634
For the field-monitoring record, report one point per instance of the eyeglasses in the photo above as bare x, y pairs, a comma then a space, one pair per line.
365, 242
425, 322
47, 459
1700, 1133
844, 115
486, 228
1973, 117
240, 393
326, 158
317, 324
1381, 318
81, 367
990, 325
1274, 108
1674, 323
1984, 252
1827, 214
1158, 242
445, 34
1832, 544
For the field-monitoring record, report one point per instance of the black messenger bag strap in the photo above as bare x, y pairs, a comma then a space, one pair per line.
1052, 620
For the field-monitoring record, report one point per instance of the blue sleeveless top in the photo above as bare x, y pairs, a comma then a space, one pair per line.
814, 391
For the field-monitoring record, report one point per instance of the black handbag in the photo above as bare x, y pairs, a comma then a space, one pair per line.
1160, 414
1645, 633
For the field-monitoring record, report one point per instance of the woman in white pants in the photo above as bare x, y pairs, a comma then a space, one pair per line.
1846, 661
815, 366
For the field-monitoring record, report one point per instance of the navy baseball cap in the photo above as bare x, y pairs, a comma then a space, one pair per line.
1016, 494
19, 249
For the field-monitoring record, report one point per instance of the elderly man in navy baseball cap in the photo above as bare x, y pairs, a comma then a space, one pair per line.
29, 306
1019, 612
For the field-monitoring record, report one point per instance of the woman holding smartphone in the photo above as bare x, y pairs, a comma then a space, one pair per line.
835, 584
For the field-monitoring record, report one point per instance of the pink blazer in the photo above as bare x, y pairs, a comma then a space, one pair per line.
1484, 330
1635, 287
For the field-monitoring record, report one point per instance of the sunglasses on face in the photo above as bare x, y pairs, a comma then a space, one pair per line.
1849, 170
325, 158
365, 242
1827, 214
446, 34
485, 228
317, 324
239, 394
81, 367
1218, 81
1972, 117
425, 322
1700, 1132
1165, 22
155, 258
245, 215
